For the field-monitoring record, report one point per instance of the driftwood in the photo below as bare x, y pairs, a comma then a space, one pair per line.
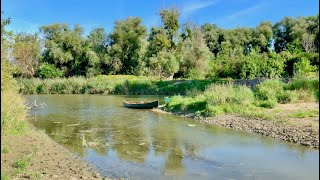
33, 105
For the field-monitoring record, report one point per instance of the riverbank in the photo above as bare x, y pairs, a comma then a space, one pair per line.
34, 155
299, 130
121, 85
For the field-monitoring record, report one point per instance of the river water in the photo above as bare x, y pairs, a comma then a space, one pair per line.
142, 144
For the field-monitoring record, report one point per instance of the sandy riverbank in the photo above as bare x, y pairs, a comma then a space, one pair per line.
303, 131
36, 156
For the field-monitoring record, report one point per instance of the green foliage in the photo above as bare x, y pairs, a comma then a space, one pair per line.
12, 111
170, 22
286, 48
306, 88
228, 94
115, 84
5, 148
257, 65
164, 64
68, 49
26, 52
269, 90
195, 55
287, 96
270, 103
187, 104
305, 113
20, 164
49, 71
4, 175
127, 46
304, 68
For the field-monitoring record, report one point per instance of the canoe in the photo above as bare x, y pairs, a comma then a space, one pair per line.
141, 104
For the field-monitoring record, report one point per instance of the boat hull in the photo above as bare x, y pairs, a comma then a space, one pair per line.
141, 105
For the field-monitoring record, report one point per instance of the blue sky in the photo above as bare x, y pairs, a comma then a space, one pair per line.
28, 15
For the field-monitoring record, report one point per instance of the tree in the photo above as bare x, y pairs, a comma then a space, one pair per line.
127, 43
6, 37
27, 53
67, 49
7, 81
283, 34
164, 64
158, 40
263, 35
195, 54
170, 22
97, 41
214, 37
308, 42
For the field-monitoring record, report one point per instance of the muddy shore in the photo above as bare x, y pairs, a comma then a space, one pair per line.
40, 157
304, 131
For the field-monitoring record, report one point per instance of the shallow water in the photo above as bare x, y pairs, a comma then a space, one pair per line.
142, 144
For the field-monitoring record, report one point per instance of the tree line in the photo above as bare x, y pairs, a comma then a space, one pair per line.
172, 50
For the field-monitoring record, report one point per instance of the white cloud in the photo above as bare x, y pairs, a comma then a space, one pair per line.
190, 8
244, 11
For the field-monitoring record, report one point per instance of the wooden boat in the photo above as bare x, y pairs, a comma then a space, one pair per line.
141, 104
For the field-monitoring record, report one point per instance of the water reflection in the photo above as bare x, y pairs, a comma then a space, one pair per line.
148, 144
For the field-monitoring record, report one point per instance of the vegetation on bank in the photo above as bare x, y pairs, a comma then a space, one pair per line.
174, 49
127, 85
220, 99
12, 109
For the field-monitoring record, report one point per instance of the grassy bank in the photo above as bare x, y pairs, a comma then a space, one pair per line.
27, 153
219, 99
117, 84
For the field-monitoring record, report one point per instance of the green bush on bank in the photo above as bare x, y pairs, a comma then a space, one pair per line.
307, 89
227, 98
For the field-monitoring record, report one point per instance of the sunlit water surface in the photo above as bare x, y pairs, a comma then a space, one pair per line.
141, 144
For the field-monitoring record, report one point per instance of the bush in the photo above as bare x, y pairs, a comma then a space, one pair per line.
287, 96
213, 111
306, 88
270, 103
49, 71
268, 90
218, 94
187, 104
303, 68
261, 65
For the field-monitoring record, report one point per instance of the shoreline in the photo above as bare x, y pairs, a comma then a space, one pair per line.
297, 133
42, 158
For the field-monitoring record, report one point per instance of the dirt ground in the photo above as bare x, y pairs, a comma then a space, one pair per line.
303, 131
36, 156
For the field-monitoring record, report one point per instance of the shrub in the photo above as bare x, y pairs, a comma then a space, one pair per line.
213, 111
42, 89
49, 71
287, 96
218, 94
304, 68
270, 103
262, 65
268, 90
306, 88
187, 104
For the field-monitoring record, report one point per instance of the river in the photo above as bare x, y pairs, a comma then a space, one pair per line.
142, 144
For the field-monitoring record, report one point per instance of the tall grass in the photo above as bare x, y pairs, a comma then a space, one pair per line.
12, 109
115, 84
307, 89
227, 98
